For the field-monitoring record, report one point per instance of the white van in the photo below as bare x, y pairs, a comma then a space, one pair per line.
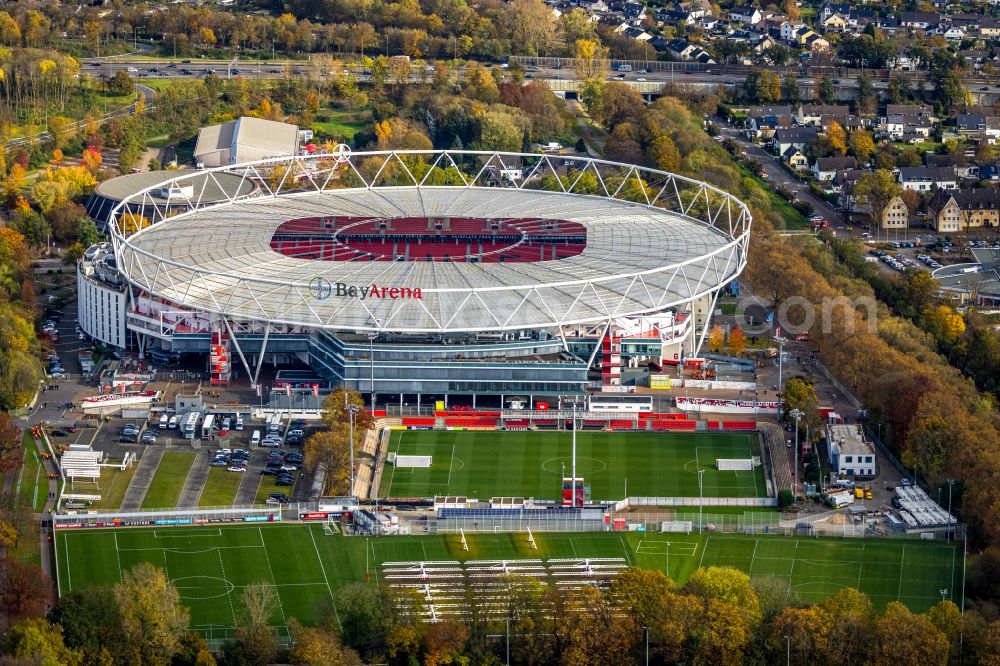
172, 423
239, 422
255, 438
164, 420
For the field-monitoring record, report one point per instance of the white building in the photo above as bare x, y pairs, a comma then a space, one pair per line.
101, 298
243, 140
851, 455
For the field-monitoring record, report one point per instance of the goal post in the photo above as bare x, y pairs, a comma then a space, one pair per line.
734, 464
412, 461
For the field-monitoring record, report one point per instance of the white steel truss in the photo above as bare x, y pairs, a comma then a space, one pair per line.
655, 241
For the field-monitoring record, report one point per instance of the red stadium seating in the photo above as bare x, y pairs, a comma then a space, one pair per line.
623, 424
670, 425
470, 422
419, 421
738, 425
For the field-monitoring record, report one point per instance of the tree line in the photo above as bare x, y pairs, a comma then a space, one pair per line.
719, 616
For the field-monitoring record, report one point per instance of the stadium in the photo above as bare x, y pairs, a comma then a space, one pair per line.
454, 276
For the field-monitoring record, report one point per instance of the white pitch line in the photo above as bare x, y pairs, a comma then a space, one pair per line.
323, 569
704, 549
902, 558
267, 558
451, 464
753, 555
229, 595
118, 557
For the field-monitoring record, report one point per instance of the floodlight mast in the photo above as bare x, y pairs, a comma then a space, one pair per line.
351, 411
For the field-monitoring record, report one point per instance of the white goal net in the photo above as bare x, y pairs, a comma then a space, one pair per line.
734, 464
411, 461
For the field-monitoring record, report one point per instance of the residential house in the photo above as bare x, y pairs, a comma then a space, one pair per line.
709, 23
825, 169
896, 214
811, 115
763, 122
963, 168
828, 9
815, 44
745, 15
789, 30
843, 184
676, 17
958, 210
638, 34
900, 121
925, 179
952, 33
835, 23
989, 27
797, 137
978, 126
919, 20
698, 8
796, 159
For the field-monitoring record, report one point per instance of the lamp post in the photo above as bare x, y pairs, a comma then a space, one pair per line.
351, 411
788, 651
951, 482
796, 414
647, 645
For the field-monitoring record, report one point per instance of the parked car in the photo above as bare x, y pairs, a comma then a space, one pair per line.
59, 433
284, 482
237, 468
278, 498
219, 462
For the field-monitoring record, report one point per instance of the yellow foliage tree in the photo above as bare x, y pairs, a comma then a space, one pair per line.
716, 338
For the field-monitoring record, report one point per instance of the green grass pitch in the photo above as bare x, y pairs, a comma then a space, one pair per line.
210, 565
485, 463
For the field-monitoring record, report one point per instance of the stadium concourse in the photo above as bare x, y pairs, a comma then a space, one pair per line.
419, 277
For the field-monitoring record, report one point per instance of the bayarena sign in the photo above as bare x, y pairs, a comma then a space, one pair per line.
322, 289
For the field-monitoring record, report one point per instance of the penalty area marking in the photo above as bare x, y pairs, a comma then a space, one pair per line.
168, 534
655, 547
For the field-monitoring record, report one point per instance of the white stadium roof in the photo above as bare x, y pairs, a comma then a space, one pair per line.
638, 258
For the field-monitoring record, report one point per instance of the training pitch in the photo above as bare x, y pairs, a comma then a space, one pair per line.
211, 565
487, 463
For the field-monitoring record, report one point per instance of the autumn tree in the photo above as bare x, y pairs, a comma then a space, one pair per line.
591, 60
36, 641
905, 638
663, 154
317, 646
876, 190
331, 448
770, 87
862, 145
152, 616
716, 338
737, 341
11, 454
833, 139
24, 590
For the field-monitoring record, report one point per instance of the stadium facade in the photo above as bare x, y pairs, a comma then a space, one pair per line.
450, 275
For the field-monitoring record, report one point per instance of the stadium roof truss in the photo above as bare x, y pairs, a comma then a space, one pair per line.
654, 241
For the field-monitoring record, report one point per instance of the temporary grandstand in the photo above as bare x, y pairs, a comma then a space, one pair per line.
920, 512
420, 273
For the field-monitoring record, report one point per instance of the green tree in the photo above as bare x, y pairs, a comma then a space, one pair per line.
86, 232
790, 89
121, 83
825, 92
727, 585
663, 154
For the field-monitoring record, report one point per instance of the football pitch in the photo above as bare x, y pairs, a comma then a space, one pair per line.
486, 463
210, 566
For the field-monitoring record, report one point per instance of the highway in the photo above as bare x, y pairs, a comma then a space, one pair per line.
660, 73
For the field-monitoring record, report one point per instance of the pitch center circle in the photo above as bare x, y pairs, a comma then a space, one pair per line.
584, 465
202, 587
